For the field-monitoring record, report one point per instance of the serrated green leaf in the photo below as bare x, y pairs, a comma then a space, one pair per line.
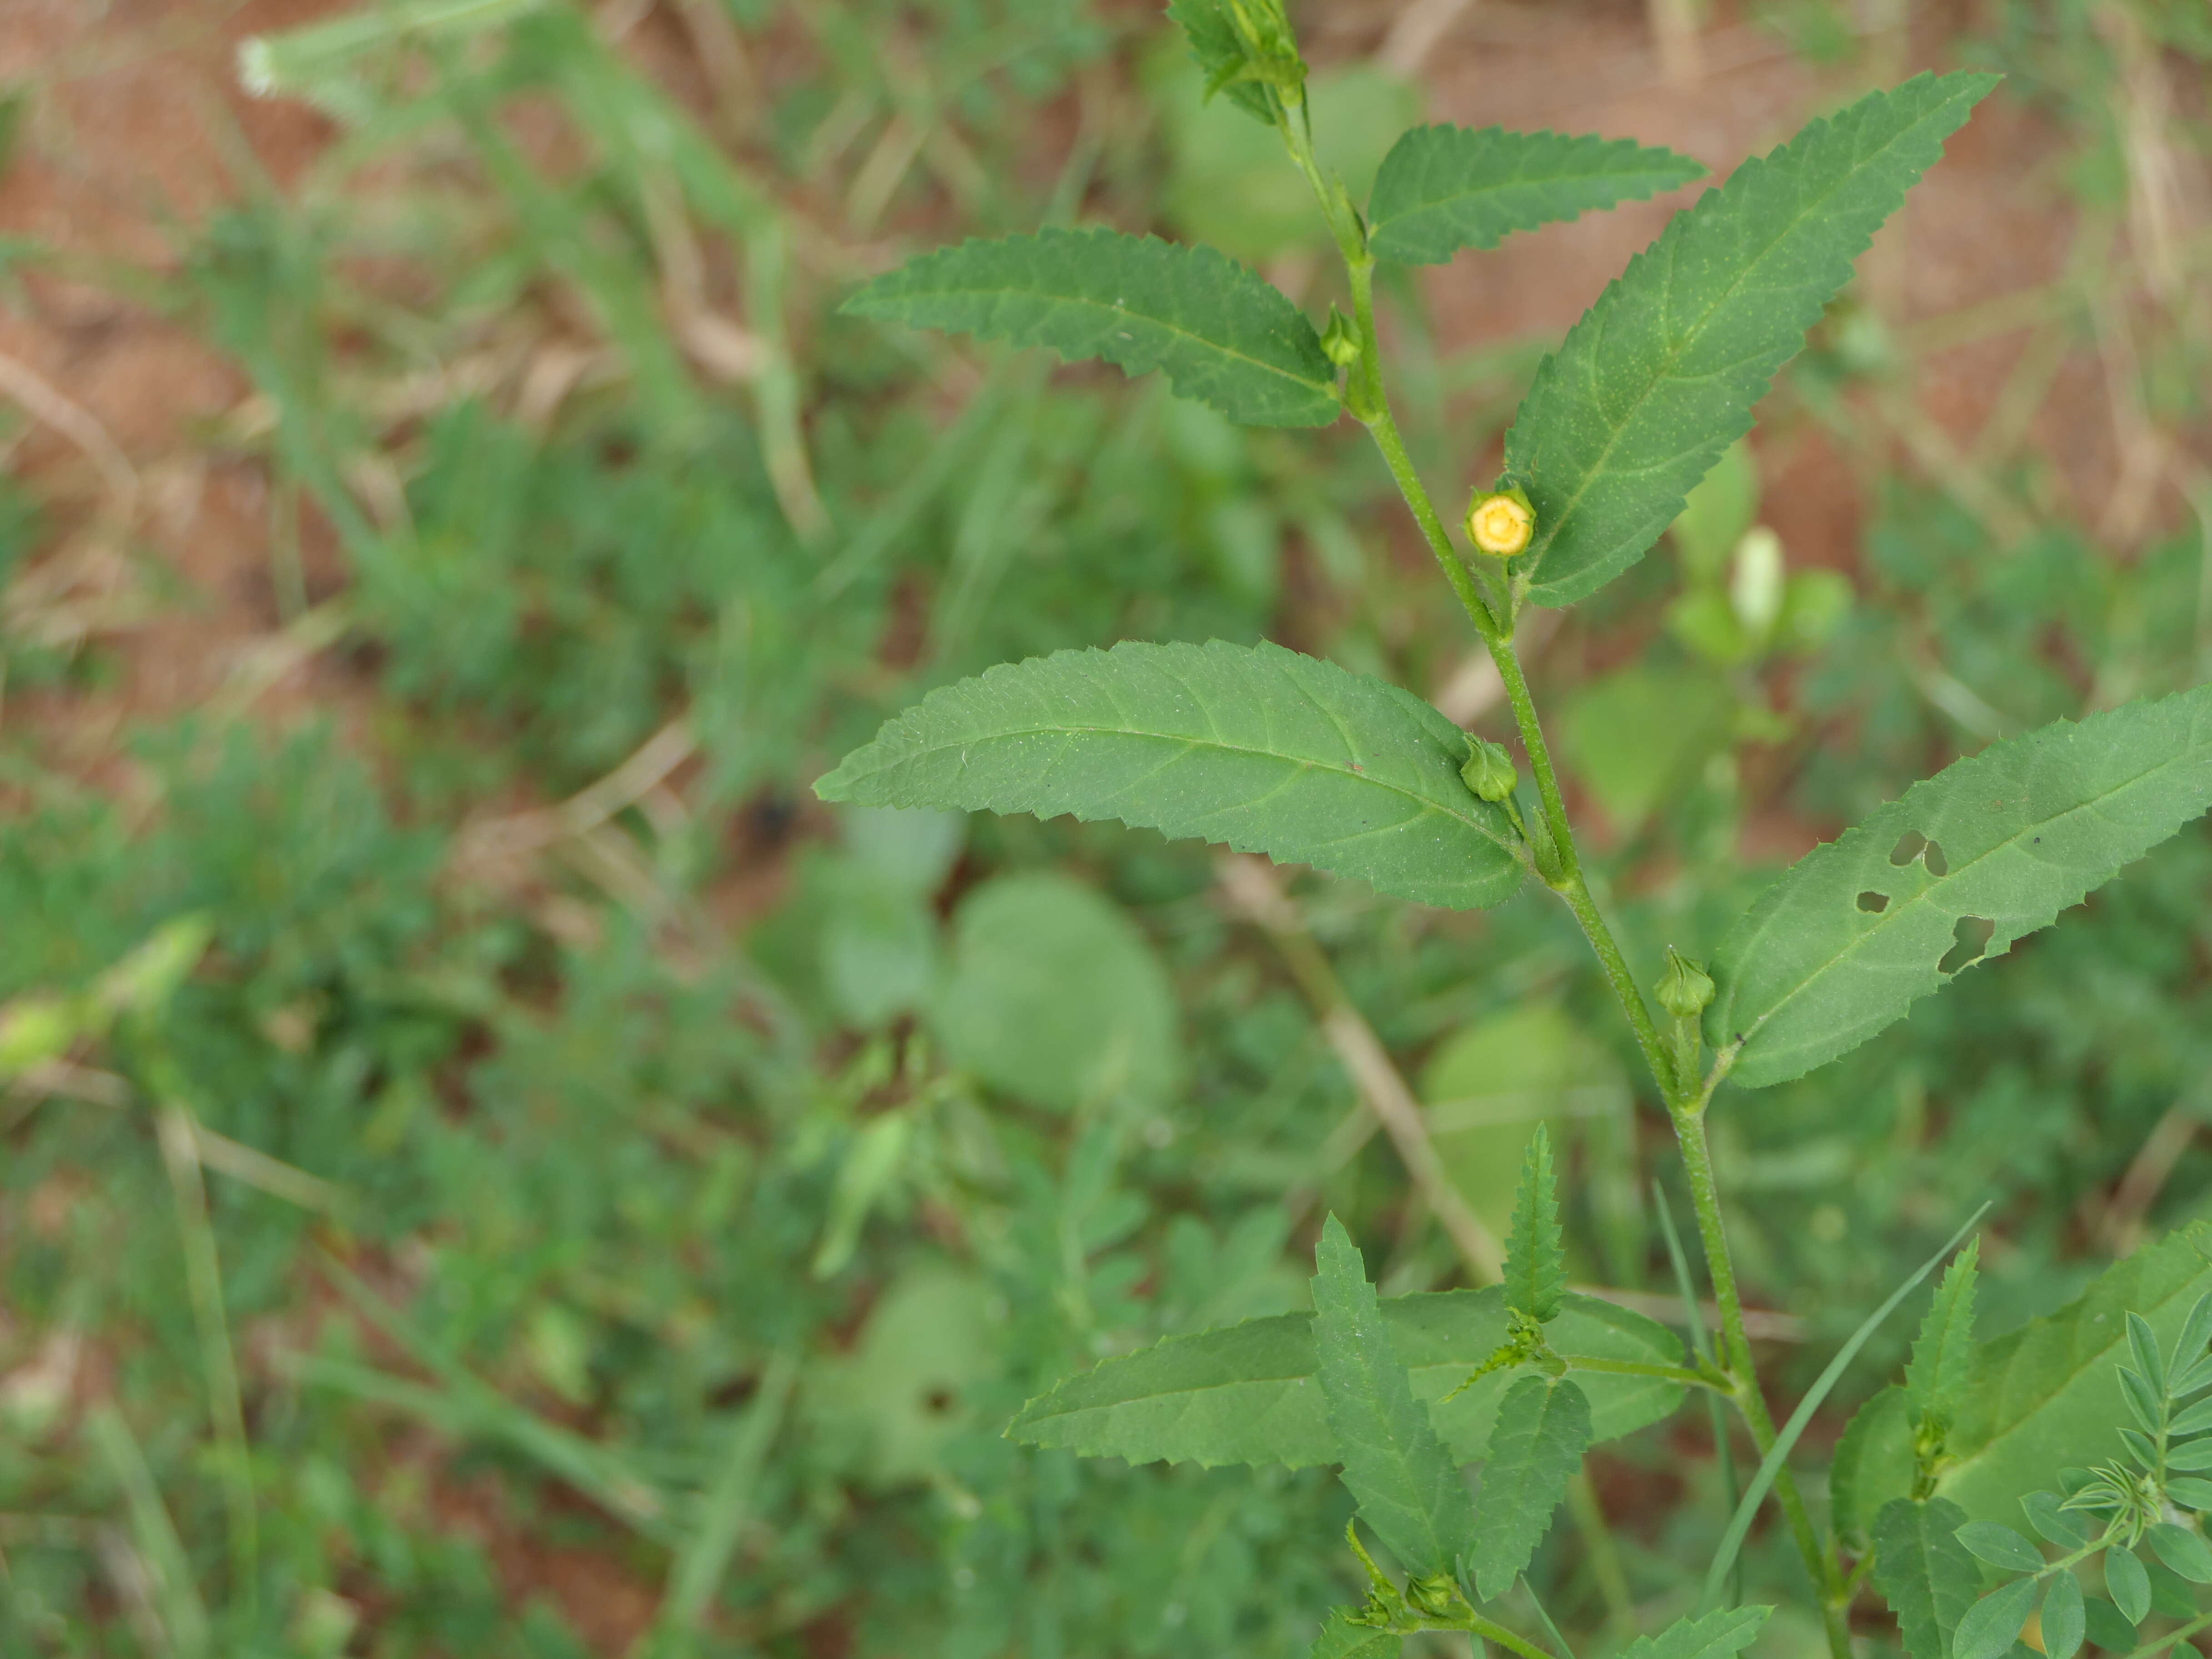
1536, 1255
2063, 1617
2001, 1547
2129, 1584
1990, 848
1715, 1635
1445, 188
1943, 1352
1246, 1394
1213, 43
1261, 748
1344, 1638
1223, 335
2183, 1550
2107, 1627
1409, 1490
1991, 1625
1661, 375
1874, 1463
1924, 1572
1543, 1428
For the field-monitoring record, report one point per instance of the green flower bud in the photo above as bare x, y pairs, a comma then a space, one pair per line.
1685, 987
1339, 340
1489, 769
1435, 1594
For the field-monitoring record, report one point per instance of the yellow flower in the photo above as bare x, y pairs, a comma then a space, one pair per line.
1500, 522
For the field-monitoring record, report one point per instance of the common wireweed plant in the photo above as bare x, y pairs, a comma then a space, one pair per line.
1274, 752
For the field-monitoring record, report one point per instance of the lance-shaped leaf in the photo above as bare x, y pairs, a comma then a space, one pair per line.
1992, 848
2038, 1399
1536, 1255
1661, 375
1224, 336
1925, 1573
1715, 1635
1246, 1394
1543, 1428
1409, 1490
1943, 1353
1443, 188
1345, 1637
1261, 748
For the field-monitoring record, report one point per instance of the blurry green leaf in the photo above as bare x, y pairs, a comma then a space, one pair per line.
2107, 1627
1635, 735
1814, 605
1943, 1352
1231, 185
1705, 622
1246, 1394
1989, 1627
1266, 750
1445, 188
143, 982
1660, 376
1409, 1490
2064, 1618
1924, 1572
870, 1164
1536, 1254
1543, 1428
1055, 996
888, 1409
1489, 1085
38, 1027
914, 850
1224, 336
1990, 848
1874, 1464
1715, 513
1344, 1638
1715, 1635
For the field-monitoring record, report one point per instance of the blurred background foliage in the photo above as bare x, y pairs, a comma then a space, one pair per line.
493, 1168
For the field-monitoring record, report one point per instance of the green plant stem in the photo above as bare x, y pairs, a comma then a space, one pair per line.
1490, 1631
1683, 1375
2163, 1642
1720, 1267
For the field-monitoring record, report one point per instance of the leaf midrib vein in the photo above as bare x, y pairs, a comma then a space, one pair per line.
1180, 332
1060, 729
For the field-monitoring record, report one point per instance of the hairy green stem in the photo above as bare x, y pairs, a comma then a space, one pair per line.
1720, 1267
1682, 1374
